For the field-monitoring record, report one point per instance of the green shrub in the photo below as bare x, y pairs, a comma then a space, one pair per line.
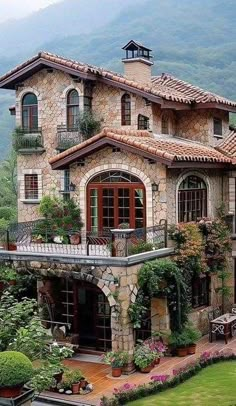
15, 369
141, 246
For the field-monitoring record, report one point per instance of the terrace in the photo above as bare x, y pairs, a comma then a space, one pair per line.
28, 141
68, 137
37, 239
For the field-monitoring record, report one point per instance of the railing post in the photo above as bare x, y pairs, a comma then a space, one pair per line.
120, 241
8, 240
166, 234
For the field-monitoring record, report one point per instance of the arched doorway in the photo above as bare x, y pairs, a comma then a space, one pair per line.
82, 311
113, 198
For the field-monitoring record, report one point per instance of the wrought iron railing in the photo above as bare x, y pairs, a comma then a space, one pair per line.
42, 237
68, 137
27, 139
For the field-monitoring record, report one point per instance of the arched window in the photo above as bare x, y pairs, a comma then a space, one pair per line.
165, 124
192, 199
125, 109
30, 112
143, 122
114, 198
72, 109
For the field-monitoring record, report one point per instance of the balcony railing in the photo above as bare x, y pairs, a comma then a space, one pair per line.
28, 140
68, 137
38, 237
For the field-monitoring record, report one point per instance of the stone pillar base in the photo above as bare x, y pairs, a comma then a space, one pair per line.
128, 369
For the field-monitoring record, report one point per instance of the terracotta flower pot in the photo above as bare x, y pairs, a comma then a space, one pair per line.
192, 349
75, 388
182, 351
75, 239
116, 372
11, 246
157, 361
147, 369
13, 392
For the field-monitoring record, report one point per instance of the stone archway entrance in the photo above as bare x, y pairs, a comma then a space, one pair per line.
82, 312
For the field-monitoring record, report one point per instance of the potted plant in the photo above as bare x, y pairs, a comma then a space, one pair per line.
15, 371
75, 239
156, 345
144, 357
117, 359
38, 239
179, 341
10, 276
55, 357
193, 336
73, 378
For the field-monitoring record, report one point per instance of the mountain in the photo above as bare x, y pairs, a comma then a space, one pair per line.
194, 40
68, 17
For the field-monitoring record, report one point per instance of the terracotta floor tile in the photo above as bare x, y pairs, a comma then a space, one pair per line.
103, 385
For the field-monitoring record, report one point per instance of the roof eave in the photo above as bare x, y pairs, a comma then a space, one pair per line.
68, 160
215, 105
199, 164
34, 66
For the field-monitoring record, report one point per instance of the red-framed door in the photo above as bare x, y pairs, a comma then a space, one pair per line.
109, 205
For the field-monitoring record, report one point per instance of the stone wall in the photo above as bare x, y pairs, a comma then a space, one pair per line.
197, 125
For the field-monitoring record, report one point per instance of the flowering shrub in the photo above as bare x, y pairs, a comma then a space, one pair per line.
160, 378
116, 359
156, 345
124, 388
129, 392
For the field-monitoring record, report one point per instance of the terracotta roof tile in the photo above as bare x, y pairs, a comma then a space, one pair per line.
228, 144
164, 86
194, 93
173, 149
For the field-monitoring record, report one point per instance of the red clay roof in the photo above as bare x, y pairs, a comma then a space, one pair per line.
194, 93
164, 86
228, 145
170, 149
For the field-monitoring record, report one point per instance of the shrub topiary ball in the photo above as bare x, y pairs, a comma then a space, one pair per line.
15, 369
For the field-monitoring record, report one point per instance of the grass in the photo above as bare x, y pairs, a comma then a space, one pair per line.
215, 385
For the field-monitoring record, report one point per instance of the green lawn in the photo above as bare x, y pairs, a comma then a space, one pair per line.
215, 385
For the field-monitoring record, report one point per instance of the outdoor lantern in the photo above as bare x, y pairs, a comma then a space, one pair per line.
155, 187
72, 187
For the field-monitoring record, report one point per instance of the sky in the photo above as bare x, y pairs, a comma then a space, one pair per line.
20, 8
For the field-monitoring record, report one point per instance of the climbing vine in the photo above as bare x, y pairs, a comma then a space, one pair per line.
200, 247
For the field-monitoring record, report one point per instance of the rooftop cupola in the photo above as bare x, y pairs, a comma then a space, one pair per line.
137, 63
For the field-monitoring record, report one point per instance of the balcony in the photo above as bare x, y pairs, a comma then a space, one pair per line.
28, 141
68, 137
36, 240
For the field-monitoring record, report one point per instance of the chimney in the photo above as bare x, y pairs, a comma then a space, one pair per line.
137, 63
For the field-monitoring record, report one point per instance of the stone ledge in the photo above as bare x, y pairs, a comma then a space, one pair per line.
85, 260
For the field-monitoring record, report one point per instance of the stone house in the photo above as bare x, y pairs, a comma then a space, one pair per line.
160, 157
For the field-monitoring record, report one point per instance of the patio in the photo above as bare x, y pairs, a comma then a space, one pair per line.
99, 374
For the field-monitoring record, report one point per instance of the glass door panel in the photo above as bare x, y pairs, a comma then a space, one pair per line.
139, 208
123, 206
103, 323
94, 209
108, 219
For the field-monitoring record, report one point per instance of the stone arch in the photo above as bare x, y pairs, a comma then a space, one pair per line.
68, 89
134, 171
64, 100
100, 283
19, 99
205, 178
